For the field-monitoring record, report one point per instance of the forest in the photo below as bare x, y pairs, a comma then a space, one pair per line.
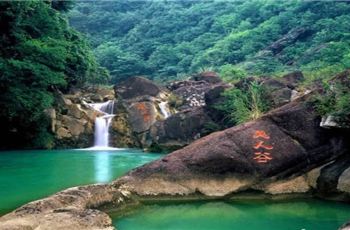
162, 40
172, 39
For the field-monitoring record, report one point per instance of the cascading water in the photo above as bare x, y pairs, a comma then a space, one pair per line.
103, 123
164, 109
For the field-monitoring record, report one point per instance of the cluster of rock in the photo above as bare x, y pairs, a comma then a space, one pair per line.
154, 117
284, 152
147, 115
190, 104
72, 119
142, 103
302, 158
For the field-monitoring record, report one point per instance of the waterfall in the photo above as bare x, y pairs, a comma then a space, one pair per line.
102, 123
104, 107
164, 109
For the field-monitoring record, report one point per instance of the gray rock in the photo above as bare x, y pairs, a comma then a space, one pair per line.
75, 126
180, 129
63, 133
142, 115
135, 87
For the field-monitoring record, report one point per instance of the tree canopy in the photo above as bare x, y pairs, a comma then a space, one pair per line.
168, 39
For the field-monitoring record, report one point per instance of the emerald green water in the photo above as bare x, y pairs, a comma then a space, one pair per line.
29, 175
237, 215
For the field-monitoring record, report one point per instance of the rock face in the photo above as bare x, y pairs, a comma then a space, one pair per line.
180, 129
137, 87
138, 101
195, 117
283, 90
193, 91
185, 116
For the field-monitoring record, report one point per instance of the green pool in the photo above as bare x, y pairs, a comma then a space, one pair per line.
237, 215
30, 175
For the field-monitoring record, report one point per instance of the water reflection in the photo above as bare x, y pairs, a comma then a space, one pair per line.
102, 167
247, 214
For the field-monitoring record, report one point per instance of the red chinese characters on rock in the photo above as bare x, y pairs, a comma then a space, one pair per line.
261, 155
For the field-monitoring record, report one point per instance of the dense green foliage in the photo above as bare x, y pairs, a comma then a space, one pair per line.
164, 40
241, 105
39, 53
168, 39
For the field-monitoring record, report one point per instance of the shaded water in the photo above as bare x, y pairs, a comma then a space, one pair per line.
30, 175
237, 215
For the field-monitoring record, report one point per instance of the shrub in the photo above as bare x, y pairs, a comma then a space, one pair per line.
231, 73
244, 105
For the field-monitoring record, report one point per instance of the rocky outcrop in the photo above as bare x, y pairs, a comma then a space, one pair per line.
142, 109
193, 91
72, 119
135, 87
185, 116
288, 39
207, 76
138, 102
180, 129
191, 105
195, 117
232, 160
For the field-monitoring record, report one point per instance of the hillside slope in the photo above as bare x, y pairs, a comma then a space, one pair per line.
168, 39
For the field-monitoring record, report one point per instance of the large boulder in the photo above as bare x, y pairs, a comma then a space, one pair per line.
293, 79
121, 132
140, 104
208, 76
134, 87
193, 91
280, 91
267, 154
180, 129
283, 90
142, 115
